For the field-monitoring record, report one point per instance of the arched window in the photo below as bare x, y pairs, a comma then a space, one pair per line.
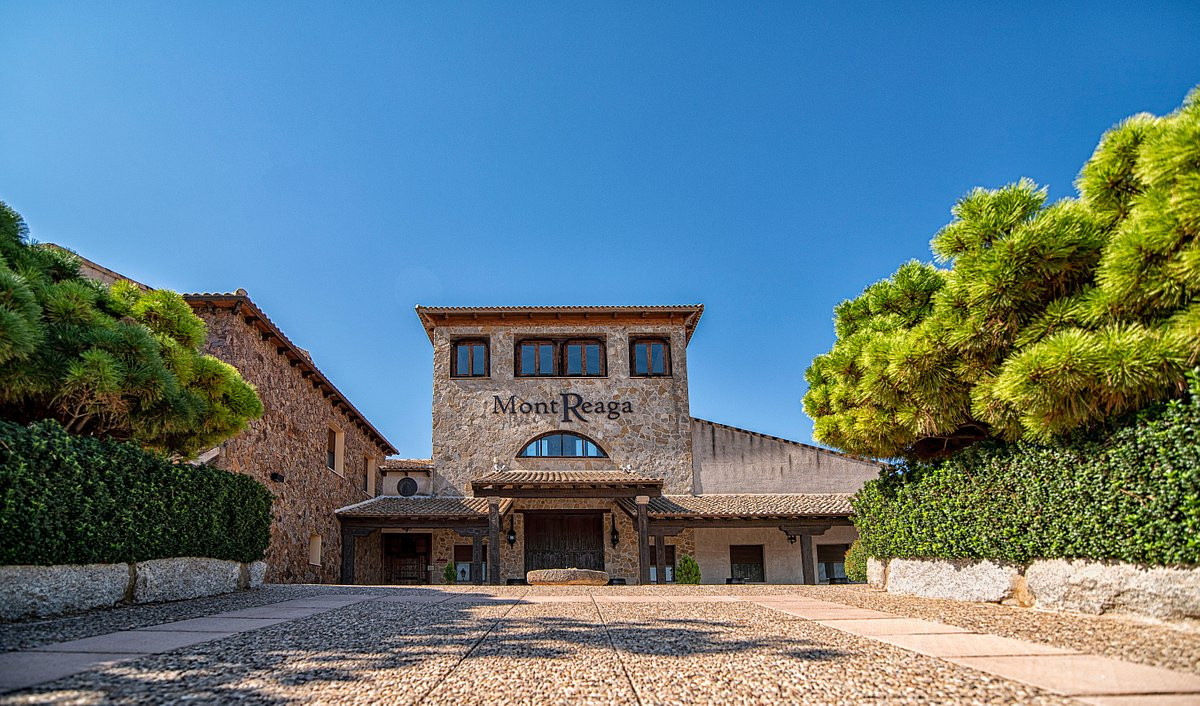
562, 444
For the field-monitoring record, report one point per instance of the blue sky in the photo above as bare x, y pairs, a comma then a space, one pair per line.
346, 161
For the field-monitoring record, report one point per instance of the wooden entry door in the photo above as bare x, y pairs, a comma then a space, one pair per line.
564, 541
406, 558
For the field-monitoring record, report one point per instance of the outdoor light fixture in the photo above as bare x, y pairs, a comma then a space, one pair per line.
512, 533
791, 539
613, 535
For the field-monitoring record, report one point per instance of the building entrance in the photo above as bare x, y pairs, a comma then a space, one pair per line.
564, 541
406, 558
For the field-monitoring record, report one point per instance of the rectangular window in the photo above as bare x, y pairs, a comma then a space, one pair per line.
536, 359
649, 357
462, 562
584, 358
469, 359
668, 569
831, 563
369, 475
746, 562
314, 549
335, 446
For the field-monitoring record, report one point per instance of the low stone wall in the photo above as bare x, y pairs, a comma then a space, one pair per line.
40, 591
1165, 593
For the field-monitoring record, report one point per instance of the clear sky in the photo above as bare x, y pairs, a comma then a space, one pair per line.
346, 161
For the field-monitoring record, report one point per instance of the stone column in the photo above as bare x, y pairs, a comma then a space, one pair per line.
806, 556
643, 530
347, 555
494, 541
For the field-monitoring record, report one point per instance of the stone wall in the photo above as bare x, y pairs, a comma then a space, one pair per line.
469, 435
731, 460
290, 439
1160, 592
42, 591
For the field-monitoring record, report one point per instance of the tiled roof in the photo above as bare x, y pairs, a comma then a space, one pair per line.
691, 313
558, 478
441, 507
406, 464
736, 506
239, 303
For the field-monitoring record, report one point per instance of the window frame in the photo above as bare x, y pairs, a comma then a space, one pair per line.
518, 358
760, 550
337, 454
668, 565
634, 342
487, 358
583, 359
565, 432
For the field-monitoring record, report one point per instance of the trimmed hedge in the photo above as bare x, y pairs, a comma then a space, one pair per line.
67, 499
1130, 493
856, 562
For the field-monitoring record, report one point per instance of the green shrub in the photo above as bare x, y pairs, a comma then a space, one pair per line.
856, 562
450, 573
688, 571
67, 499
1129, 494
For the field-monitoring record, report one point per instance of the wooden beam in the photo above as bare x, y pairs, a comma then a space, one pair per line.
643, 523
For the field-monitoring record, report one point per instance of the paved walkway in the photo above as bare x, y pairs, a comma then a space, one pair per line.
579, 645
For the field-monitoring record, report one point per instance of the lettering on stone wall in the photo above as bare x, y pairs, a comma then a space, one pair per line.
571, 406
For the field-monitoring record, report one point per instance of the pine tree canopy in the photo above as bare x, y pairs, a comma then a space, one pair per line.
115, 361
1042, 319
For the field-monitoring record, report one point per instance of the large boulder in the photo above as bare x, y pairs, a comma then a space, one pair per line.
185, 577
567, 577
877, 573
962, 580
1095, 587
27, 591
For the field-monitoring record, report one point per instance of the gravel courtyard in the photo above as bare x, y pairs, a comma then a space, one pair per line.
660, 645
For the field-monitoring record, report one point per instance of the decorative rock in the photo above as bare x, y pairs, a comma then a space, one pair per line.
258, 572
567, 577
963, 580
185, 577
877, 573
1094, 587
27, 591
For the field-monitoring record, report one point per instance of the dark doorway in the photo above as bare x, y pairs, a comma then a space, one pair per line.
564, 541
406, 558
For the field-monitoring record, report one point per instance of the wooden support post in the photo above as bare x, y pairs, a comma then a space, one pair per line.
660, 559
643, 530
477, 558
347, 555
494, 541
806, 556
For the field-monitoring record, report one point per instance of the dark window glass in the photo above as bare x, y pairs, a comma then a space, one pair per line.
331, 449
563, 445
470, 359
536, 358
746, 562
668, 564
650, 358
584, 358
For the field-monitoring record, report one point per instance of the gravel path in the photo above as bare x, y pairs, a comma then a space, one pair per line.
467, 650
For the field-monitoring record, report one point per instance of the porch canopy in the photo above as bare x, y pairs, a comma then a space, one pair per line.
565, 484
469, 517
797, 515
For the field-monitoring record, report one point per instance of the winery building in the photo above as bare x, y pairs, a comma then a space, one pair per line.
563, 437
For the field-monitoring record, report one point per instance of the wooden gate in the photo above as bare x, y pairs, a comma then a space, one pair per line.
406, 558
564, 541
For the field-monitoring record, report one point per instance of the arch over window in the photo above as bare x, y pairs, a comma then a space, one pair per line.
562, 444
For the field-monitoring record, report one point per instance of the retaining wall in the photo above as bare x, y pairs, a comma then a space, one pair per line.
1164, 593
39, 591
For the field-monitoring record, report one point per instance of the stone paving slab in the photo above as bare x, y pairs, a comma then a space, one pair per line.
822, 613
892, 626
230, 625
1143, 700
1085, 674
271, 611
134, 642
968, 645
20, 670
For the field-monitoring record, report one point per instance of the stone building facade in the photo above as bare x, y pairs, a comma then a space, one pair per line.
288, 450
562, 436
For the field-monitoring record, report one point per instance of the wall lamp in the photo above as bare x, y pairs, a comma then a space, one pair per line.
613, 535
512, 532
